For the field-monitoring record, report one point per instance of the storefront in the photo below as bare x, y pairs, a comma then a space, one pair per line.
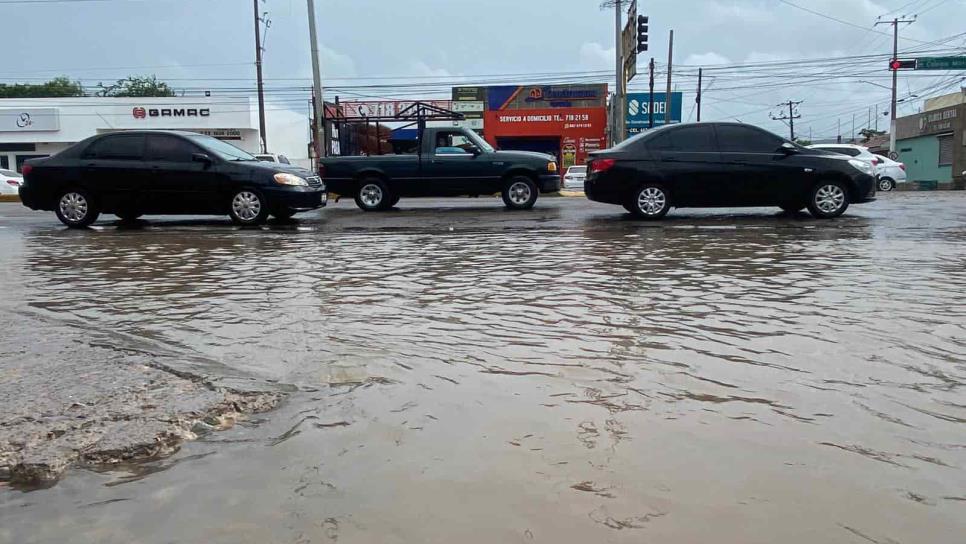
40, 127
932, 145
567, 121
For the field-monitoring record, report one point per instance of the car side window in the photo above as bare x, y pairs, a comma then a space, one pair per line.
742, 139
119, 147
697, 138
283, 159
169, 149
452, 143
660, 142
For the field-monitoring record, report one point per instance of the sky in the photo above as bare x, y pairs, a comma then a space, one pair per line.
370, 47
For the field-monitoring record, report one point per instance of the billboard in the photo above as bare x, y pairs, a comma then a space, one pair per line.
638, 115
528, 97
384, 108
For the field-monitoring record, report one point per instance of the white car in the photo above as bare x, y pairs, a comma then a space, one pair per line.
10, 182
890, 173
857, 151
574, 178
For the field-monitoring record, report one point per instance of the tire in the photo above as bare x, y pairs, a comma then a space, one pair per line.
128, 215
828, 199
520, 193
248, 207
283, 214
76, 209
791, 208
886, 184
373, 195
394, 201
650, 201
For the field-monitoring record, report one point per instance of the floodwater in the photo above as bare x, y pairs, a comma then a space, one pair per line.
469, 375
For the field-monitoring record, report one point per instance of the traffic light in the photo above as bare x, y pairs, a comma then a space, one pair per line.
900, 64
641, 33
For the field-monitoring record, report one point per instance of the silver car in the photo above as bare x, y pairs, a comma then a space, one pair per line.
574, 178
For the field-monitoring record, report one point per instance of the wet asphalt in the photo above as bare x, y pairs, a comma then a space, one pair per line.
453, 372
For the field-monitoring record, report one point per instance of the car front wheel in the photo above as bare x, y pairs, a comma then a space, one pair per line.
829, 199
76, 208
649, 201
520, 193
886, 184
248, 207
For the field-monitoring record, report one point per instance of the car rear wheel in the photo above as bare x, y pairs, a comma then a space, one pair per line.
373, 195
76, 208
649, 201
248, 207
520, 193
886, 184
829, 199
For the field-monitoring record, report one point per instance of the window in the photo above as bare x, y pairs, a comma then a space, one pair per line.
745, 139
3, 162
169, 149
850, 151
945, 150
696, 138
221, 149
452, 143
120, 147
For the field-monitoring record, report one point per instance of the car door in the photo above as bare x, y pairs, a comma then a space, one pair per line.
179, 183
690, 161
451, 169
760, 171
113, 169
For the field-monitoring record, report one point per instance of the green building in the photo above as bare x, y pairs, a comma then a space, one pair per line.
931, 144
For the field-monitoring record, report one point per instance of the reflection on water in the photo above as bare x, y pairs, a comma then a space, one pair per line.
765, 379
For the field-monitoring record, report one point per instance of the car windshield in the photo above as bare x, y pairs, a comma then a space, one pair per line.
578, 170
479, 142
223, 150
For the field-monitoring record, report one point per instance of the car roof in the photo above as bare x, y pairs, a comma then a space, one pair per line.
840, 146
154, 131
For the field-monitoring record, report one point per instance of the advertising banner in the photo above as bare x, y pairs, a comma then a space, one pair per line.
528, 97
385, 108
29, 119
637, 112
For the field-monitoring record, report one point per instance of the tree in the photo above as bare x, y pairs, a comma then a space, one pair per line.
803, 141
136, 86
55, 88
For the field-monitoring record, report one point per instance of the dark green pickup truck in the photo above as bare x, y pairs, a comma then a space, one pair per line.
442, 162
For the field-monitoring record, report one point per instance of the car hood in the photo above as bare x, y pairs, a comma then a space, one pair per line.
525, 155
276, 168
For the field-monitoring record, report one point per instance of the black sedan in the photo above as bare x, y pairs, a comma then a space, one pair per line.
134, 173
725, 165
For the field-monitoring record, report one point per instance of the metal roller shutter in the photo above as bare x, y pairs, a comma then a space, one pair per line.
946, 150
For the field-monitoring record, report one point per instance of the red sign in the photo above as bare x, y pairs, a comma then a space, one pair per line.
580, 130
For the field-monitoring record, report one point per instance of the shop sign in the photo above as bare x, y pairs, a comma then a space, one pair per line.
29, 119
940, 121
222, 133
519, 97
469, 94
139, 112
385, 108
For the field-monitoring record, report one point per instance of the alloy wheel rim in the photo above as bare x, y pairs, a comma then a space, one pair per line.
651, 201
246, 205
829, 198
519, 193
74, 207
371, 195
885, 185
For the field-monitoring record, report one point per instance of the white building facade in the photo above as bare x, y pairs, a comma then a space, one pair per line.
40, 127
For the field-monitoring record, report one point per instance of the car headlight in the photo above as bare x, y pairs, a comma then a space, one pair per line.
289, 179
861, 166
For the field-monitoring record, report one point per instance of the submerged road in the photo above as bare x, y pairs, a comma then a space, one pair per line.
453, 372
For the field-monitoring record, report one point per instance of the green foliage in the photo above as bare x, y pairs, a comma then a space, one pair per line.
803, 141
136, 86
55, 88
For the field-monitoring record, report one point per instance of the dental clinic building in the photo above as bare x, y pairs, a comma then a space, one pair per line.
39, 127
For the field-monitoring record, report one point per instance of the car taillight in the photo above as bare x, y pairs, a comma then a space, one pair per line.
26, 169
13, 182
902, 166
875, 162
601, 165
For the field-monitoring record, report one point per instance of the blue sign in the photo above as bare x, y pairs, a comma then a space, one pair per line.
637, 112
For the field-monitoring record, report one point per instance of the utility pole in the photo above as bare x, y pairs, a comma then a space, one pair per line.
895, 73
838, 133
263, 144
650, 96
321, 146
852, 139
790, 116
667, 96
698, 99
619, 108
877, 118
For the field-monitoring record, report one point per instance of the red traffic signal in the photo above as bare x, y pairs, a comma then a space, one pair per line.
900, 64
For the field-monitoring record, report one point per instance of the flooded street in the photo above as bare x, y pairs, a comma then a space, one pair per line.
452, 372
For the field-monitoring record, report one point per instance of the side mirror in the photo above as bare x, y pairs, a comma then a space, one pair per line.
202, 158
789, 148
475, 150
